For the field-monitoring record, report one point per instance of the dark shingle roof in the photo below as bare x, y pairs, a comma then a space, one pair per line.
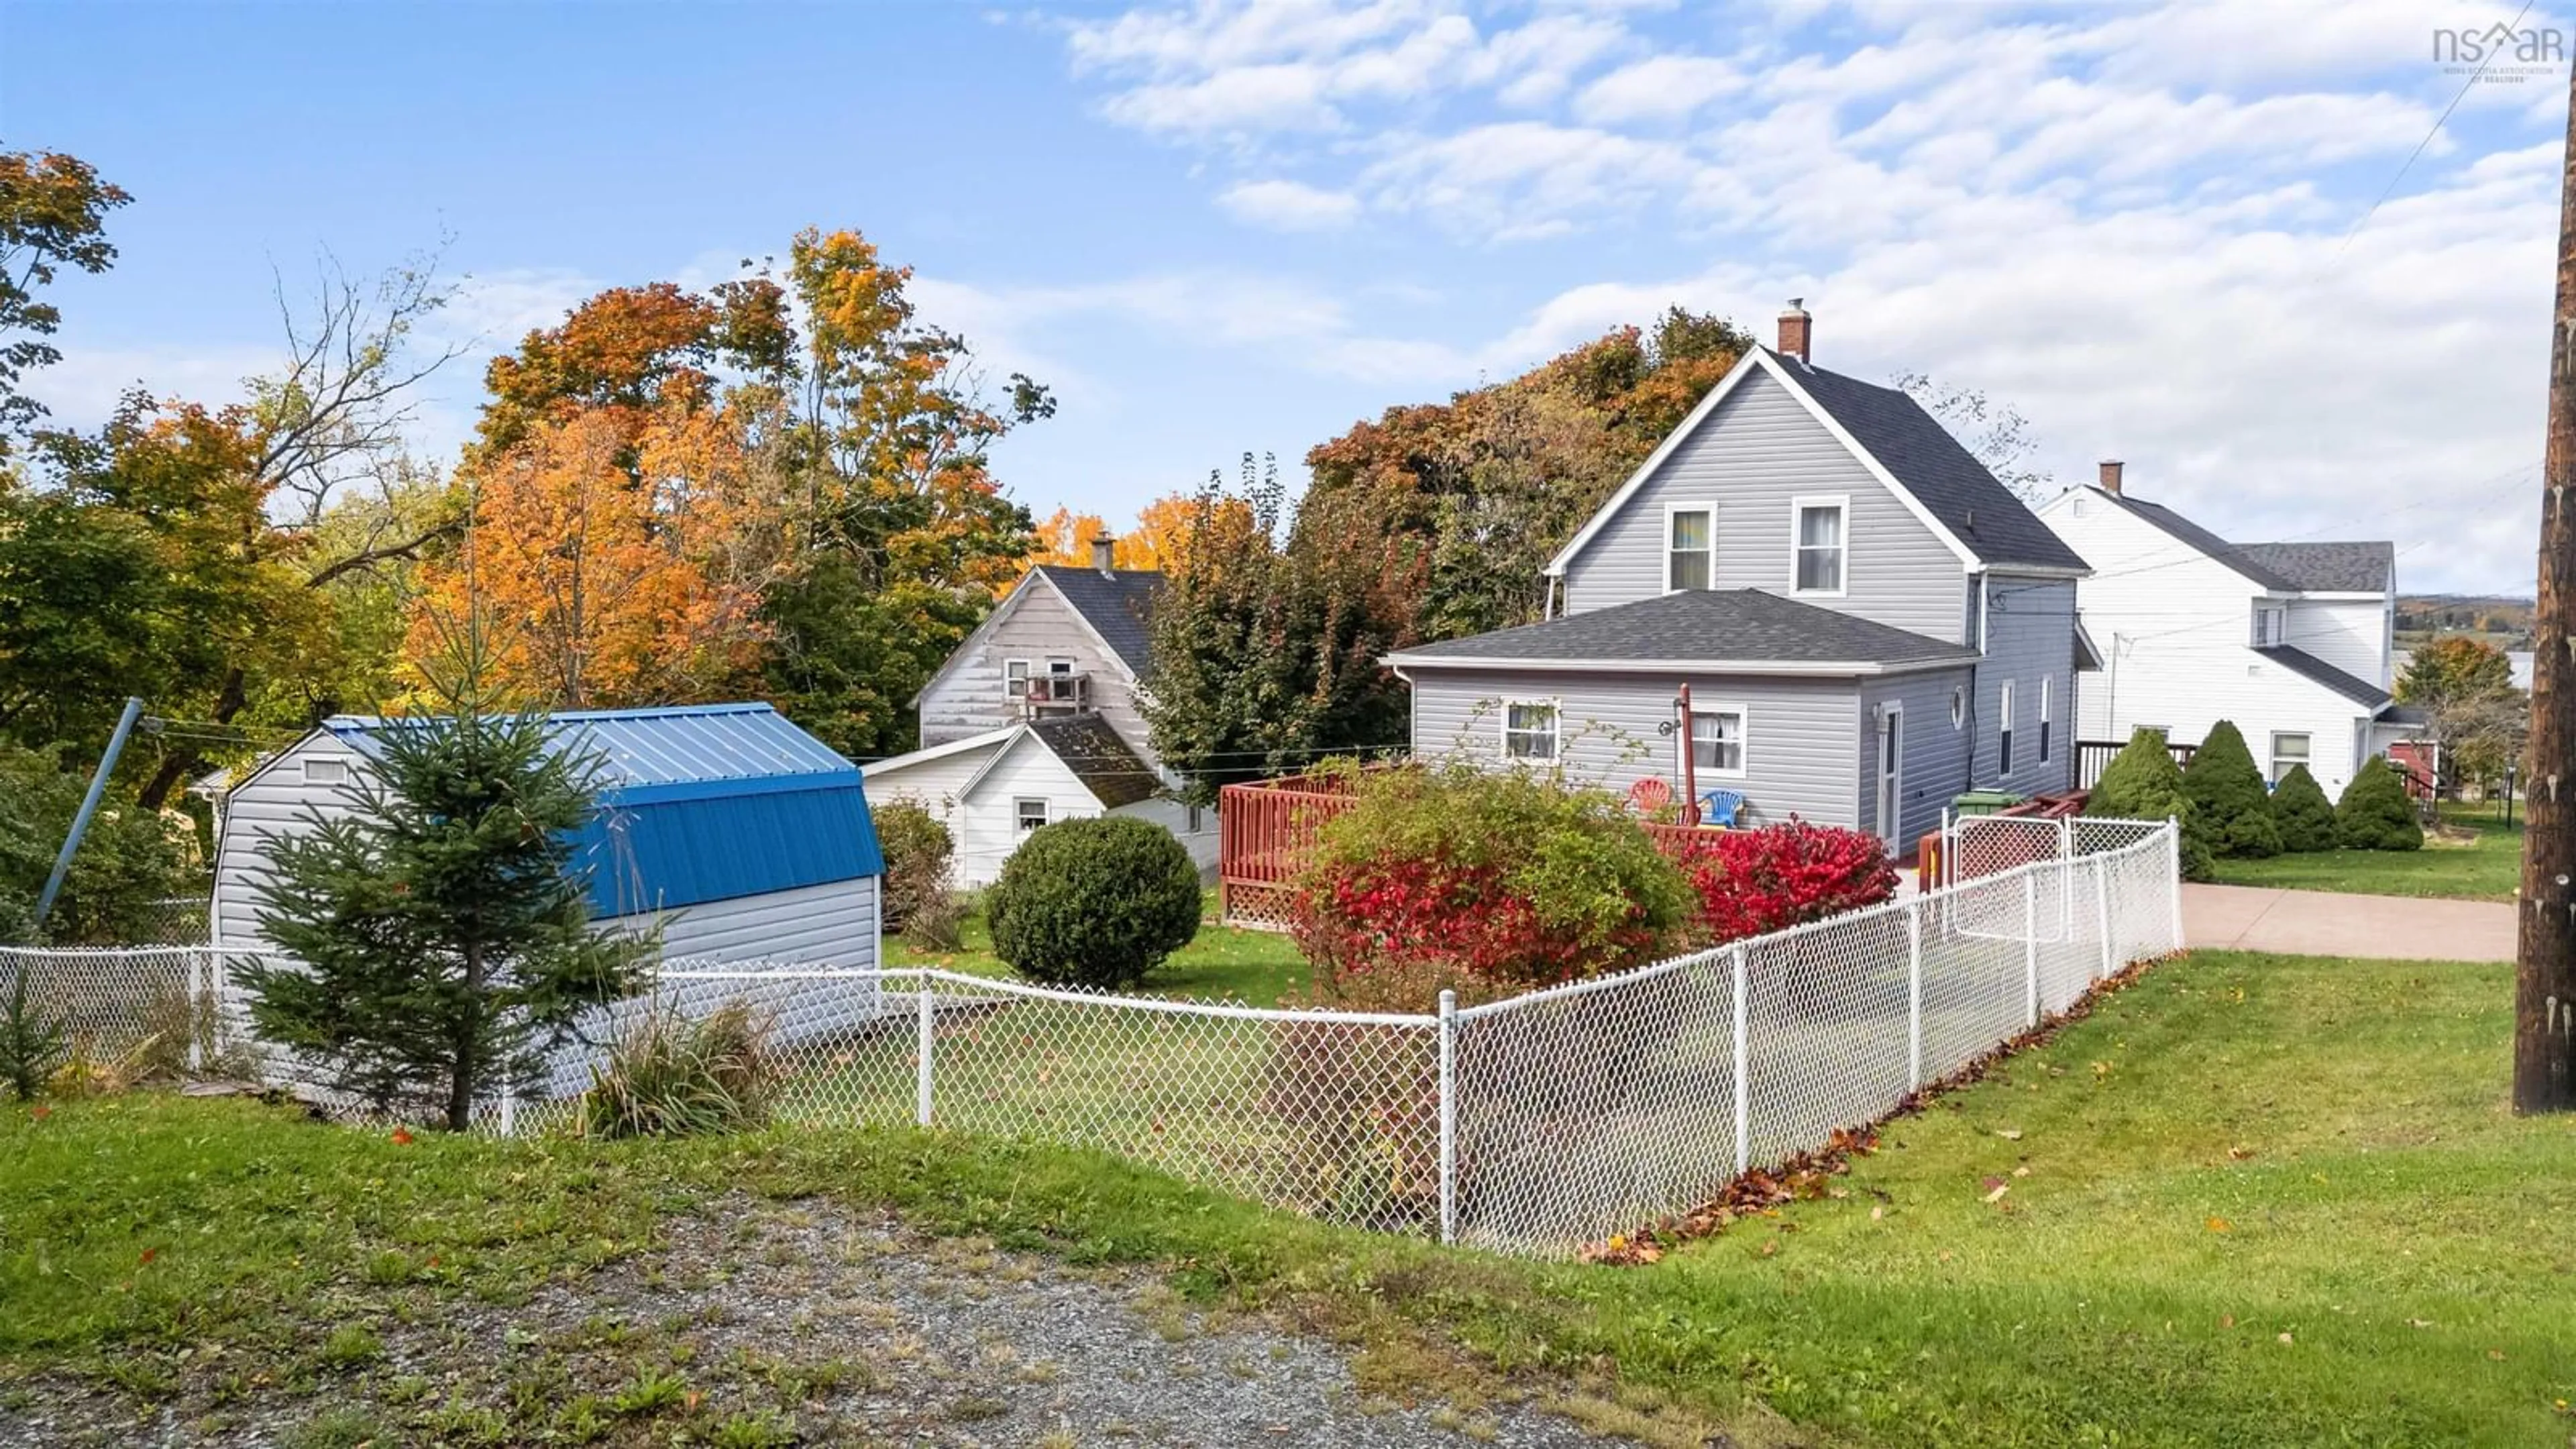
2301, 662
1098, 757
2337, 568
2202, 539
1943, 476
1700, 626
1119, 604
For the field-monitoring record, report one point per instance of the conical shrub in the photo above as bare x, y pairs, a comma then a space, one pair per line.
2374, 813
2227, 792
2301, 809
2143, 783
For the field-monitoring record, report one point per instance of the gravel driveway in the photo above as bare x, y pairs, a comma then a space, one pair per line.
762, 1323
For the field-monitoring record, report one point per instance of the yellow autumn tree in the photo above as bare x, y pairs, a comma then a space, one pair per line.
1163, 530
610, 567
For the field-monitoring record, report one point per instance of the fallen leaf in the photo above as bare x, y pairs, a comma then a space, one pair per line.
2221, 1225
2021, 1171
2419, 1323
1998, 1194
2010, 1134
2239, 1154
2497, 1354
1877, 1212
402, 1137
1770, 1246
39, 1113
151, 1253
2227, 1320
2285, 1338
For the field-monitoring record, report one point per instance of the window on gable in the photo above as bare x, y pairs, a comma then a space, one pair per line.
1015, 679
1690, 549
1032, 814
1529, 730
1717, 741
2004, 732
326, 772
1820, 546
2288, 751
2271, 623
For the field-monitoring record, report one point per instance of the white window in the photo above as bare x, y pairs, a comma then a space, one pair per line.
326, 772
2003, 732
1032, 814
1059, 666
1819, 544
1690, 547
1529, 729
1717, 742
2045, 690
2271, 622
1015, 679
2288, 751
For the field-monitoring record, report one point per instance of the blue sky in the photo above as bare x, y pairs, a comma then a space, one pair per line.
1218, 227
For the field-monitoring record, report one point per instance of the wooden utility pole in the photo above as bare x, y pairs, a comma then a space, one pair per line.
2544, 1004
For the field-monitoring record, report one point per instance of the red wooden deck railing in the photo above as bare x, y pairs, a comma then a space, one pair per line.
1265, 830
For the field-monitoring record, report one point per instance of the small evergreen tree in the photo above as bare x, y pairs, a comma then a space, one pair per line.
442, 938
2305, 815
32, 1041
2143, 783
2374, 813
2227, 795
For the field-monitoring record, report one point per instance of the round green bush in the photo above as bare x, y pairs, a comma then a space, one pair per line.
2374, 813
2306, 816
2227, 795
2143, 783
1095, 903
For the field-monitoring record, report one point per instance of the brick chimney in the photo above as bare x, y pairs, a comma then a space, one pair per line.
2111, 475
1796, 329
1104, 549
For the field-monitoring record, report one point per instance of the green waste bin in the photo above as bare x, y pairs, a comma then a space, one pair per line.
1984, 802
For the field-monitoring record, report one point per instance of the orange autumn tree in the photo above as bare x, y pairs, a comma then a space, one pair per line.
1163, 530
604, 582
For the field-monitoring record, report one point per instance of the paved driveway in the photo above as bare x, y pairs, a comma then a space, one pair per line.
2321, 923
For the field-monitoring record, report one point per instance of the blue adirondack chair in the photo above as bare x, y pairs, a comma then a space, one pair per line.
1718, 808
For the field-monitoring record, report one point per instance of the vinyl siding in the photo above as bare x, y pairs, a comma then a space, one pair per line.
2030, 637
1760, 449
1798, 733
989, 828
938, 786
2174, 628
2356, 636
274, 802
967, 697
1935, 753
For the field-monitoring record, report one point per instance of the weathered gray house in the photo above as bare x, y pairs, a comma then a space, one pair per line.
1034, 719
1868, 622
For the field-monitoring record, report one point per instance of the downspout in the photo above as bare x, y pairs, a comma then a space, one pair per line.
1977, 679
1690, 760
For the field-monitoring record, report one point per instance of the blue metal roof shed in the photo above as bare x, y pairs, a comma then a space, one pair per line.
702, 803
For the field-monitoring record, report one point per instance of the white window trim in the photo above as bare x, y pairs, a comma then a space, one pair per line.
1841, 504
1019, 814
1743, 740
1059, 664
1027, 672
2004, 730
1556, 733
1670, 509
325, 771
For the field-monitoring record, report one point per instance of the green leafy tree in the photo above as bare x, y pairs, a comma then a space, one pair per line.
2306, 816
441, 934
1266, 657
2228, 798
2463, 688
129, 861
1098, 902
2143, 783
53, 214
2374, 813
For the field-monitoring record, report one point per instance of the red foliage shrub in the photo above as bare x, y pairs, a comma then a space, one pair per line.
1755, 881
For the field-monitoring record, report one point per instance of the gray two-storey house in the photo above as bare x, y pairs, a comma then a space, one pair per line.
1866, 621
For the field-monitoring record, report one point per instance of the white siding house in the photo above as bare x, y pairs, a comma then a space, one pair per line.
1867, 622
2293, 642
1035, 718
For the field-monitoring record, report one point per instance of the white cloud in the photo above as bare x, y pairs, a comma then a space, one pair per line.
1515, 180
1662, 88
1289, 205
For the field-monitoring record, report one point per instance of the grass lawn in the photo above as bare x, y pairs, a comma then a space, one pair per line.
1253, 968
2249, 1200
2487, 868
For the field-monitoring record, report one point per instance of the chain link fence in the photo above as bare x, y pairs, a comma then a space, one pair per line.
1533, 1125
